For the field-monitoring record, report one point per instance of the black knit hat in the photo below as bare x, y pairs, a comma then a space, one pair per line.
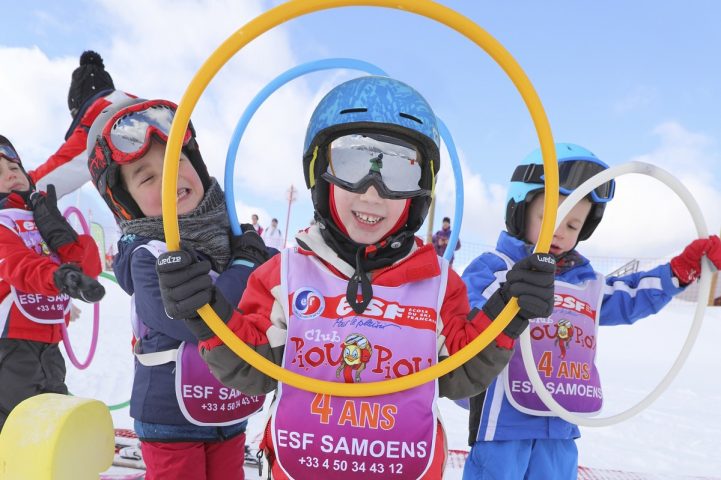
88, 79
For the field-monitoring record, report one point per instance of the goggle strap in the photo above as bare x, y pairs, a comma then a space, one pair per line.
119, 208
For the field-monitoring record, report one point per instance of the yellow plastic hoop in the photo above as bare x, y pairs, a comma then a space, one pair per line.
297, 8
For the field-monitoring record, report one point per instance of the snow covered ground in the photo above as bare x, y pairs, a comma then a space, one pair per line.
678, 436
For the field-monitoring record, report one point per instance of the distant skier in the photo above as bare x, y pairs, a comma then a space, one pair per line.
441, 237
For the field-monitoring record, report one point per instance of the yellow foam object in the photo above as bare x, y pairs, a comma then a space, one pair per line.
57, 437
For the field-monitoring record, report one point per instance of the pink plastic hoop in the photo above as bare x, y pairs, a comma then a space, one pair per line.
96, 308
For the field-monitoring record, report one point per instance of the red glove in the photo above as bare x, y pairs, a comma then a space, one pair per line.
687, 266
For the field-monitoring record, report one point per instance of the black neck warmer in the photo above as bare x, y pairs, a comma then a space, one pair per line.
365, 258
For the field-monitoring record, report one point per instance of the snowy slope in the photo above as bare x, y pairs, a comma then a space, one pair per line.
678, 436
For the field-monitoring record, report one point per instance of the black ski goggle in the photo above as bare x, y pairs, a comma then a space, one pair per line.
391, 165
571, 175
7, 152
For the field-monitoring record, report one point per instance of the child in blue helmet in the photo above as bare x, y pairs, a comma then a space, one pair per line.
512, 434
360, 300
190, 426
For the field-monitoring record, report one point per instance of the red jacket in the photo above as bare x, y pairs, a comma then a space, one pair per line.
67, 168
28, 271
262, 325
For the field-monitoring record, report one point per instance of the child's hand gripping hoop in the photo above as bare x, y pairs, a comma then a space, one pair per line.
294, 9
703, 292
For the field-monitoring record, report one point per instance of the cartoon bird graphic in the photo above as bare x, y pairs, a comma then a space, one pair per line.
564, 332
357, 351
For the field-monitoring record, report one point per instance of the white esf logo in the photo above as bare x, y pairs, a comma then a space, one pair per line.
570, 303
376, 308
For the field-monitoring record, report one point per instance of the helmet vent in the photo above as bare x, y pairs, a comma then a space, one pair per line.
411, 117
353, 110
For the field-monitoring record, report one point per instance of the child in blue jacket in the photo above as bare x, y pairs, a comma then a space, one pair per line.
512, 434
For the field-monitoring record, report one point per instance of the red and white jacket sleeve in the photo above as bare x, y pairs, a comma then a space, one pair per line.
261, 323
28, 271
67, 168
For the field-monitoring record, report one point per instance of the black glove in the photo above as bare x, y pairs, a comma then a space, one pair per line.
53, 227
72, 281
531, 280
249, 246
185, 286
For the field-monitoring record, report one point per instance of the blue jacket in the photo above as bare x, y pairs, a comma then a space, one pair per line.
153, 398
626, 299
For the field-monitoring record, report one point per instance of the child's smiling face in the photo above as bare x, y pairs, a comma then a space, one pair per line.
143, 180
367, 217
566, 236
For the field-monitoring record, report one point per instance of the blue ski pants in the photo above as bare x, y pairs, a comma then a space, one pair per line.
522, 460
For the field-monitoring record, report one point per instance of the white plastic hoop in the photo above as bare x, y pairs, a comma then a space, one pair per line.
704, 288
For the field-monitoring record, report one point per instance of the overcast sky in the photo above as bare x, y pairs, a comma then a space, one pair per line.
628, 80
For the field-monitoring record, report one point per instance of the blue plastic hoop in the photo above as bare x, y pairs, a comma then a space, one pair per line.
315, 66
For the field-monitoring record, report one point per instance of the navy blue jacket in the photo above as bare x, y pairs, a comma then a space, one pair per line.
153, 397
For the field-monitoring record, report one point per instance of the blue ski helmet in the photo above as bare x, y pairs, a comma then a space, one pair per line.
575, 165
372, 104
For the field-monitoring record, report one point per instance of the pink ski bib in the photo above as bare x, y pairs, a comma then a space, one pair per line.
203, 399
34, 306
388, 436
564, 351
